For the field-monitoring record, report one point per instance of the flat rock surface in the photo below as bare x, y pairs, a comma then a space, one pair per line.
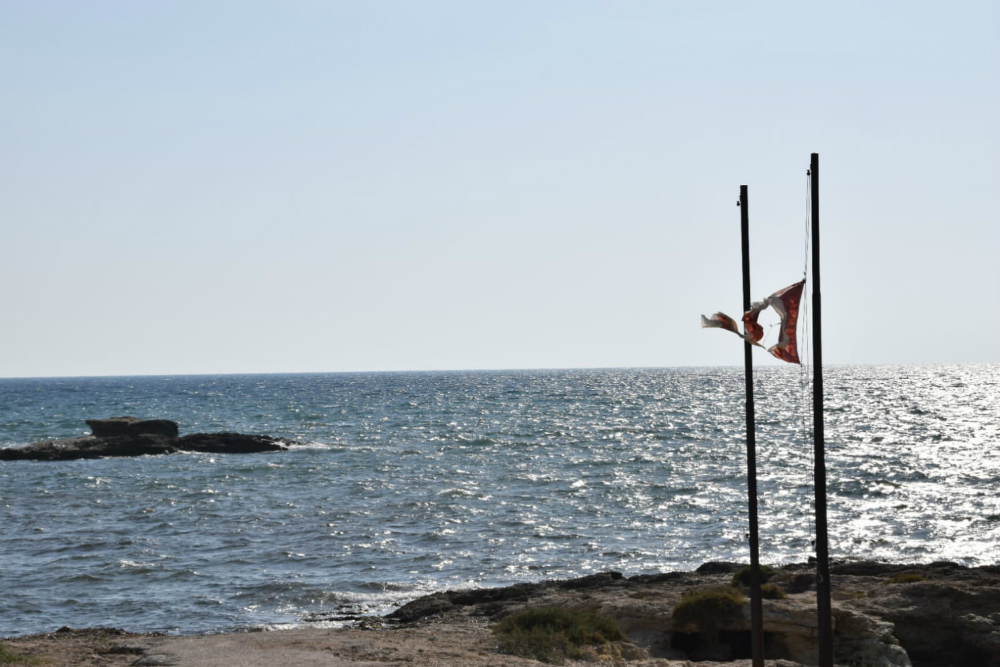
120, 426
452, 644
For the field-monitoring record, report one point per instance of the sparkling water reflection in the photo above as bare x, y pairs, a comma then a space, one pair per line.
413, 482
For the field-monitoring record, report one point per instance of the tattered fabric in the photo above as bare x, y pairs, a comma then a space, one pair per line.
786, 303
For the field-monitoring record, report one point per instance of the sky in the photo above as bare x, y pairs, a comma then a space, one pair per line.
257, 187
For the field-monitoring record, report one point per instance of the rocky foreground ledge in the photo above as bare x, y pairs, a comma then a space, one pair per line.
130, 436
885, 615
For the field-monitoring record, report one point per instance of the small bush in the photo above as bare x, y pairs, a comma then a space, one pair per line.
772, 592
742, 576
552, 634
709, 607
905, 578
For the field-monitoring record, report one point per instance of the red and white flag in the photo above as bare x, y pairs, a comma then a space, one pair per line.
786, 303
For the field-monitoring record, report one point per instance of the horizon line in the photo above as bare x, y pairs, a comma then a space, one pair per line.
478, 370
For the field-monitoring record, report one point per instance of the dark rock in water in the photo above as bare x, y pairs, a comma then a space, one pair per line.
230, 443
129, 436
91, 447
117, 427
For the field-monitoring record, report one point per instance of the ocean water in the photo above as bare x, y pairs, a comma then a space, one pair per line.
409, 483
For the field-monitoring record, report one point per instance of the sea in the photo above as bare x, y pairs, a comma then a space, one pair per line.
409, 483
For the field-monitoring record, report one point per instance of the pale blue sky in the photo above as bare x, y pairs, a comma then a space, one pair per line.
202, 187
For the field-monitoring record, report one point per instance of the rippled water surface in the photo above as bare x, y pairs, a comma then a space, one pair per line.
413, 482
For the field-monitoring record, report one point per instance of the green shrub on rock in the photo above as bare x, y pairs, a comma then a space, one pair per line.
708, 608
772, 592
552, 634
742, 576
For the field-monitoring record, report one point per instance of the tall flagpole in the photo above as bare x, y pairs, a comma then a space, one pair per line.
822, 538
756, 608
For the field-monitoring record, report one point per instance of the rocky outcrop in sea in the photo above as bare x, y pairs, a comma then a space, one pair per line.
131, 436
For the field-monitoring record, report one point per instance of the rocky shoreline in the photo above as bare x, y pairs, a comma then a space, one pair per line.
130, 436
884, 614
889, 615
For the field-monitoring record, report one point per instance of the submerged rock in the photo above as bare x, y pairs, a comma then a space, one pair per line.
130, 436
230, 443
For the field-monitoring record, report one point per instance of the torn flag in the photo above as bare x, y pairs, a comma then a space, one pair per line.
720, 321
786, 303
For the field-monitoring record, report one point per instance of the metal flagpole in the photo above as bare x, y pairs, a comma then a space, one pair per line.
822, 538
756, 608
